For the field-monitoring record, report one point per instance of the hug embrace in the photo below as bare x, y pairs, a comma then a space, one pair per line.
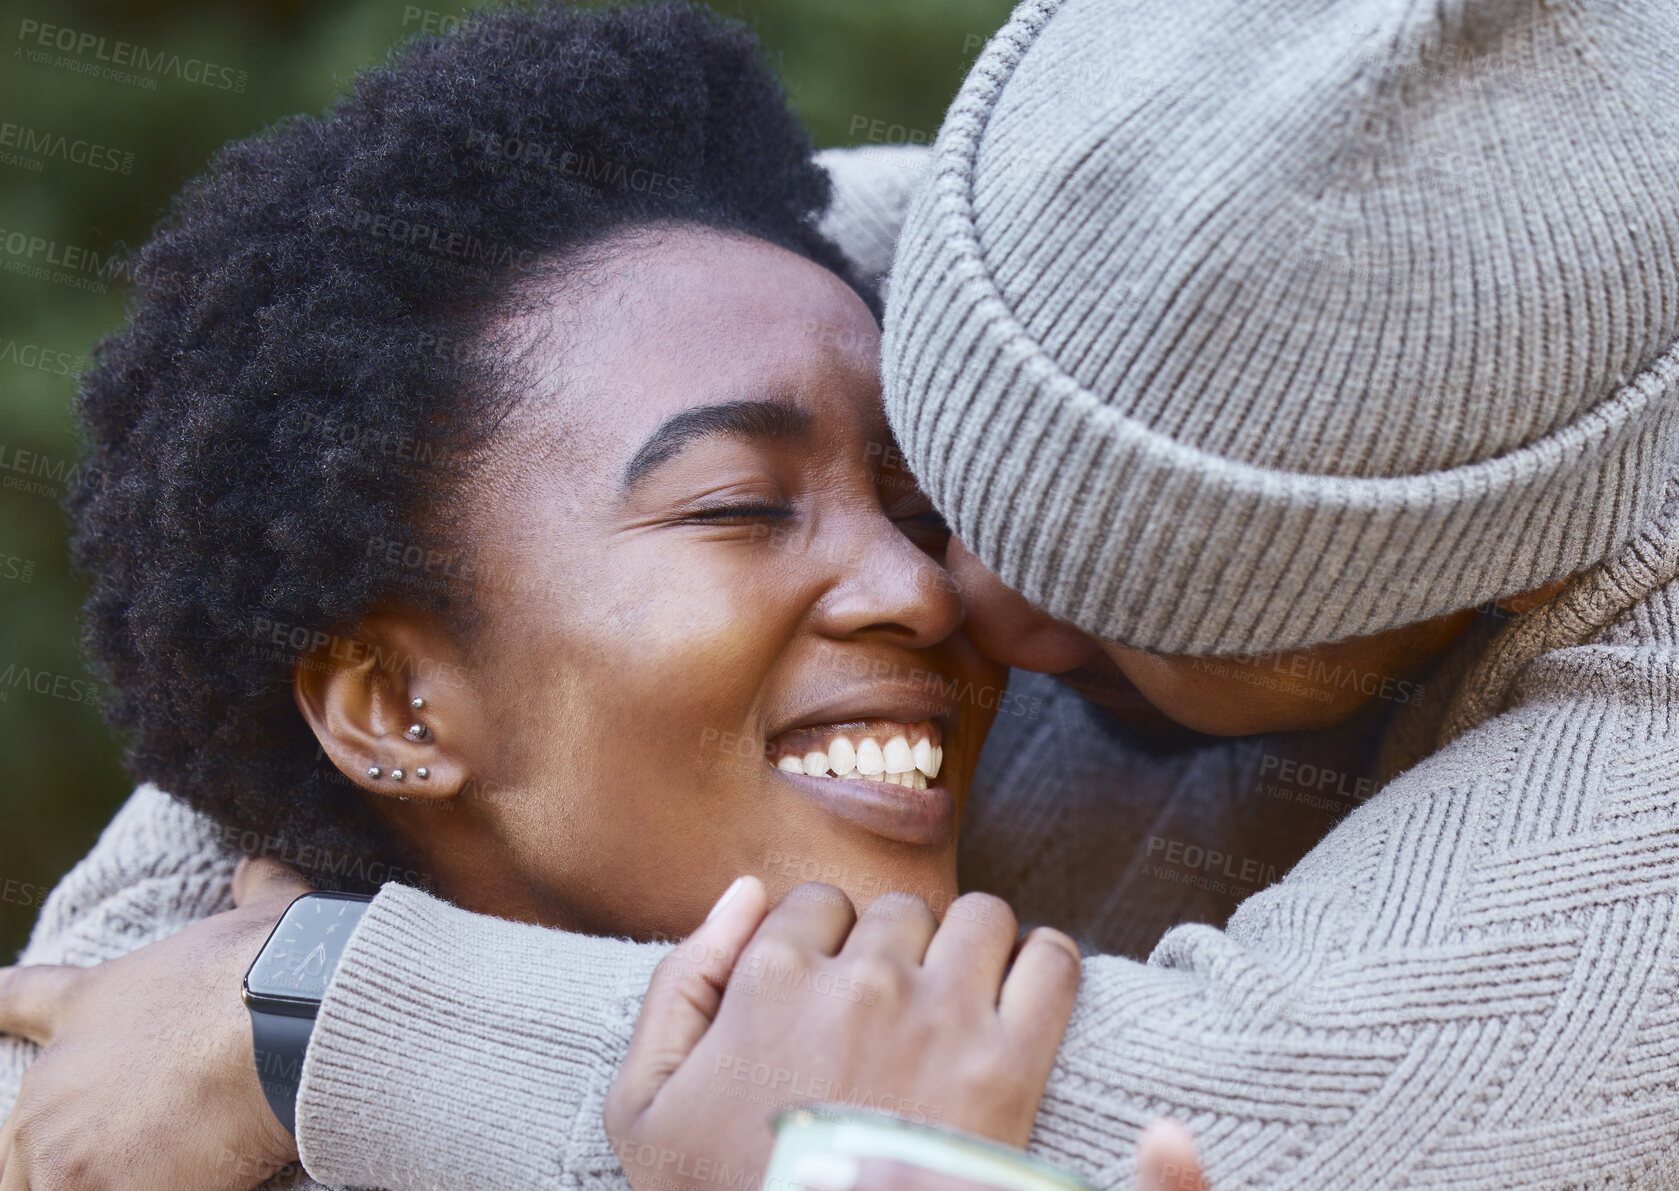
1160, 607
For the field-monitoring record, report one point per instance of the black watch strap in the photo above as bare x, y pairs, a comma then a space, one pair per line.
280, 1043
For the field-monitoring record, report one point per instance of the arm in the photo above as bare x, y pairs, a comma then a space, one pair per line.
144, 1074
453, 1049
1466, 983
1469, 983
156, 868
1470, 974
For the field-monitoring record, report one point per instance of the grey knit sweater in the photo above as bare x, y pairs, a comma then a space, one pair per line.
1469, 982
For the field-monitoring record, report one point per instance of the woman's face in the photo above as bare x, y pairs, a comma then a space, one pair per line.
698, 560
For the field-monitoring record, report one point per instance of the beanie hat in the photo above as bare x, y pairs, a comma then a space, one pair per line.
1236, 326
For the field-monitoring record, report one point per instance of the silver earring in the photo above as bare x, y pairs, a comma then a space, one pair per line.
373, 771
417, 703
397, 775
422, 773
417, 732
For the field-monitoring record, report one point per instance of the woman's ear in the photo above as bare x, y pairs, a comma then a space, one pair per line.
391, 706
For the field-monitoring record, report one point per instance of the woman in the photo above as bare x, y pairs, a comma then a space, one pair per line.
492, 519
581, 533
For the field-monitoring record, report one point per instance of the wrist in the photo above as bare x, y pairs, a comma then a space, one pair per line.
267, 1136
283, 988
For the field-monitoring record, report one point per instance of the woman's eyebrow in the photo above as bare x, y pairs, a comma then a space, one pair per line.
737, 419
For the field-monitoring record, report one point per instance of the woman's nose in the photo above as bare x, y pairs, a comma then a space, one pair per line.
890, 586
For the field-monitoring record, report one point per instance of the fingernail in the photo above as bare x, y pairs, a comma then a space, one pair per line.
724, 900
826, 1172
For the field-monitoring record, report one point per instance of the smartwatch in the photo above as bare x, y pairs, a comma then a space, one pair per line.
284, 986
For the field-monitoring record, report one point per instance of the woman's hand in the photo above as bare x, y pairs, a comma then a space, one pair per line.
953, 1023
146, 1076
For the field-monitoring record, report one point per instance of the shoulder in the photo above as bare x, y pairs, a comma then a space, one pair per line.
873, 186
156, 867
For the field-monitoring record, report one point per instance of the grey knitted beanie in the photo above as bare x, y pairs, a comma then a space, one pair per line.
1228, 326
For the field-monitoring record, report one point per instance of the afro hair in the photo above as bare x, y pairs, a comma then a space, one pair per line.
292, 400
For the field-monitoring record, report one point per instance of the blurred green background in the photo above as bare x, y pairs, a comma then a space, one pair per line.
857, 70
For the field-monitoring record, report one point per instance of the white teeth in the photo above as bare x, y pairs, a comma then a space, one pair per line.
898, 762
897, 756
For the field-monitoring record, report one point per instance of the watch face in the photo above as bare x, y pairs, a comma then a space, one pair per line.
304, 949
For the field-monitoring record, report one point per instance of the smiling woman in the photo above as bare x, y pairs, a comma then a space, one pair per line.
536, 541
694, 483
671, 510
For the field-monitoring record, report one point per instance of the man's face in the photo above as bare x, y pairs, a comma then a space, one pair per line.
1225, 696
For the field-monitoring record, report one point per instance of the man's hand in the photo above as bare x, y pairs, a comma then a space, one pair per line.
953, 1023
146, 1076
1167, 1160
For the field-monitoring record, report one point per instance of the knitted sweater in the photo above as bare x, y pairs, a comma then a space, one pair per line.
1469, 982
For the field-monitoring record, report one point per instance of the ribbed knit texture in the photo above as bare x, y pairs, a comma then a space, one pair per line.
407, 1035
1239, 325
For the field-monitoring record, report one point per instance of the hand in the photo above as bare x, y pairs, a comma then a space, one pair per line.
953, 1023
146, 1076
1167, 1161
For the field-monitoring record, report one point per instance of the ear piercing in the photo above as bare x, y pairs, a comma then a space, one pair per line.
416, 732
373, 771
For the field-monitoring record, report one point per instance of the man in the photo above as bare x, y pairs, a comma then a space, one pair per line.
1256, 346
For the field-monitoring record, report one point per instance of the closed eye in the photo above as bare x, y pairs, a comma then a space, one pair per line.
927, 528
748, 511
931, 521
